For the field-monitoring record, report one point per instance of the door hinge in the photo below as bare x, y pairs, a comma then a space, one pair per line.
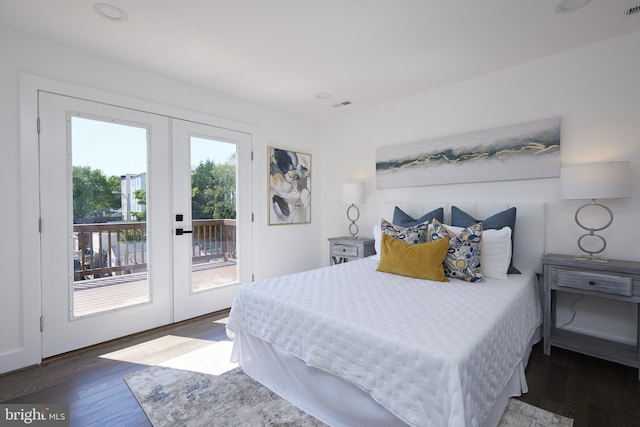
253, 277
41, 323
39, 225
38, 125
252, 217
252, 155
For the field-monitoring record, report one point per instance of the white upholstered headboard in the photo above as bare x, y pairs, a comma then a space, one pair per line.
529, 235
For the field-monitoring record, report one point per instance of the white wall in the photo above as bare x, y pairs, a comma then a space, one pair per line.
593, 90
277, 250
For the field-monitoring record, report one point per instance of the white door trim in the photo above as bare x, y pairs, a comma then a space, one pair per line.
31, 351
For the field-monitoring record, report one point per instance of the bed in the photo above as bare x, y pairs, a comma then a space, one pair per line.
354, 346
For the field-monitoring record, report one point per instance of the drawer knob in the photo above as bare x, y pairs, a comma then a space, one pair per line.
591, 282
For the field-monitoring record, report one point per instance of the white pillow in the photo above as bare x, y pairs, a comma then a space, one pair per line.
495, 252
377, 236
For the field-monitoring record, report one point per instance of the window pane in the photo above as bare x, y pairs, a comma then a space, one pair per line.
109, 177
213, 210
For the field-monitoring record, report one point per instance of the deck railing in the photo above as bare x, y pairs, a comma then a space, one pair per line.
114, 248
214, 239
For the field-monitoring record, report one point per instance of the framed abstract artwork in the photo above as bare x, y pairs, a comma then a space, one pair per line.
523, 151
289, 187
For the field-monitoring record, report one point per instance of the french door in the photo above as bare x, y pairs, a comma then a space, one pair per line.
120, 252
212, 216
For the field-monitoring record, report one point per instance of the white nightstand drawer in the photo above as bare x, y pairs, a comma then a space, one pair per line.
607, 283
345, 250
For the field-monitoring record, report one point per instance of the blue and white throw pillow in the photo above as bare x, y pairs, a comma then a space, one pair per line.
412, 235
463, 258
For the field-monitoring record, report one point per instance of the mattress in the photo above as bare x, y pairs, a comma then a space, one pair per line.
431, 353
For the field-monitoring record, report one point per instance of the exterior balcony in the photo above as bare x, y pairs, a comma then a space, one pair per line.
110, 262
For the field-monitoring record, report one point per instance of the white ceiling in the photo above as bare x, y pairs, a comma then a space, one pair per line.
280, 53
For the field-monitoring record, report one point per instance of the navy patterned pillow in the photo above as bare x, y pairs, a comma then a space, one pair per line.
402, 218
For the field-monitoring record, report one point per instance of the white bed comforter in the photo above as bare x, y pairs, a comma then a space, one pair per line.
433, 354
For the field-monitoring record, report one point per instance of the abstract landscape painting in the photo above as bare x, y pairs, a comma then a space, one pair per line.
289, 187
523, 151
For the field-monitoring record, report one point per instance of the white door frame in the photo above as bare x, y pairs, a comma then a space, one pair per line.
31, 351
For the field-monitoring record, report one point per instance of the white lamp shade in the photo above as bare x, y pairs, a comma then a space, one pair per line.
353, 192
609, 180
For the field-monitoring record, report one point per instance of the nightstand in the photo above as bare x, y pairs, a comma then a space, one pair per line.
614, 279
343, 249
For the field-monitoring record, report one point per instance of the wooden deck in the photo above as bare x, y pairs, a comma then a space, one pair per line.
109, 293
212, 274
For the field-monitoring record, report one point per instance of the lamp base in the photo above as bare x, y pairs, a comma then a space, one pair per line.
353, 227
592, 235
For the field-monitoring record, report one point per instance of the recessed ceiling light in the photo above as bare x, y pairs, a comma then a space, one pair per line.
322, 95
110, 12
567, 6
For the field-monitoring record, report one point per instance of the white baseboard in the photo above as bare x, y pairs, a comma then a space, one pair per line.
12, 360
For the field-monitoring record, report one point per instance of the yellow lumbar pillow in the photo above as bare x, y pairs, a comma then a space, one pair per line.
422, 260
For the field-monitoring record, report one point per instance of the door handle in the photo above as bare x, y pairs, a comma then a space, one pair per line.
180, 231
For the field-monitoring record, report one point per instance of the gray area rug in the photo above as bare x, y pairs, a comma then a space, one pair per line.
521, 414
202, 388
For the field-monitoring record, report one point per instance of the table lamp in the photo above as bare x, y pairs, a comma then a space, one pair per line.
607, 180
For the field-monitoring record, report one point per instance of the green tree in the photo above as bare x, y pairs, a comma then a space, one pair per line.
94, 194
141, 198
213, 190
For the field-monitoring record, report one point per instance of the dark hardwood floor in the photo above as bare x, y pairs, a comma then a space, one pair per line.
593, 392
93, 385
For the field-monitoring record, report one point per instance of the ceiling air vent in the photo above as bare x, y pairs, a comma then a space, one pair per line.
342, 104
632, 10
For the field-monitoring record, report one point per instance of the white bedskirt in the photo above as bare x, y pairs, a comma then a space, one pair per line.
334, 401
431, 353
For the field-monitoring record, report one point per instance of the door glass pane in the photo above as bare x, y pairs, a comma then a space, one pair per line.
214, 257
109, 197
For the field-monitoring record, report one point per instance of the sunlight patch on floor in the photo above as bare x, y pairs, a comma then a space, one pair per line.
212, 359
172, 349
222, 321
